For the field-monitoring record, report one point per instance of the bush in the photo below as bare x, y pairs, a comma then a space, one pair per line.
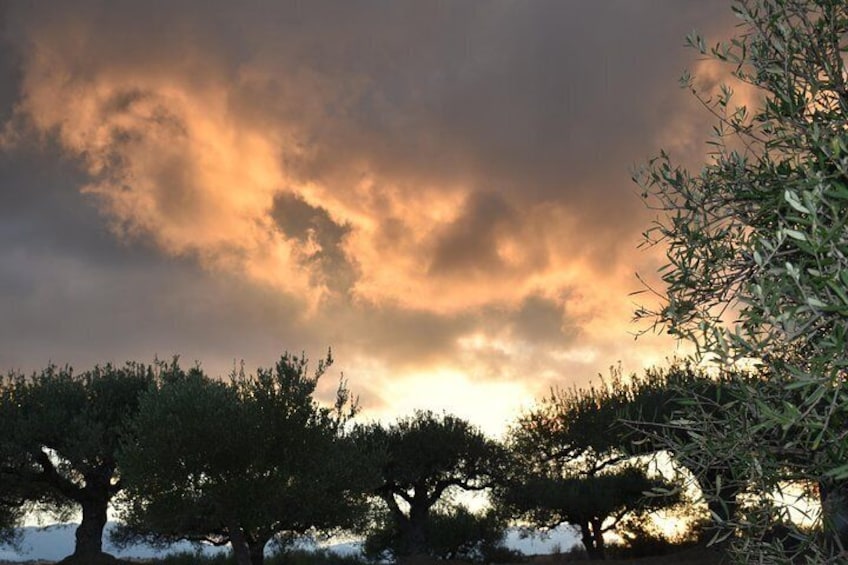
502, 554
286, 556
643, 539
314, 557
196, 558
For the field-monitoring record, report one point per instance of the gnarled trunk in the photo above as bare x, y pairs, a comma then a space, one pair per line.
598, 534
257, 552
238, 541
247, 549
593, 539
415, 535
89, 534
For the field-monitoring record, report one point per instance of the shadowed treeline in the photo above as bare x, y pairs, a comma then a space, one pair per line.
255, 460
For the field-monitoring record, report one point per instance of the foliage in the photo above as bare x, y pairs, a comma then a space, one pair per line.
422, 459
593, 503
573, 427
641, 538
452, 532
196, 558
13, 503
61, 435
572, 461
240, 462
286, 556
11, 514
457, 533
659, 403
757, 249
11, 500
291, 556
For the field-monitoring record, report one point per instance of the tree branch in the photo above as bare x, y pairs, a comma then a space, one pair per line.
50, 475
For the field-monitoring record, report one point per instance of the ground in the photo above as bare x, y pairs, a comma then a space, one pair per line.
696, 556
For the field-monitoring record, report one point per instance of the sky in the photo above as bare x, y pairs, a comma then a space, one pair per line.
438, 191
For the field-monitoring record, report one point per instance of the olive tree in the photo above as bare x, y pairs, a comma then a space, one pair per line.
420, 461
659, 402
240, 462
452, 531
571, 463
594, 504
61, 433
757, 263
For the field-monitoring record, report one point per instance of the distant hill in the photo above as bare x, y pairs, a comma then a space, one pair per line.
55, 542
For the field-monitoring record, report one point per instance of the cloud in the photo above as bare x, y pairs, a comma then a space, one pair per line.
427, 187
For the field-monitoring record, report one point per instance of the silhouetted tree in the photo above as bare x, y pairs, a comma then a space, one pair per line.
240, 462
61, 433
574, 425
570, 463
420, 460
595, 504
657, 401
452, 532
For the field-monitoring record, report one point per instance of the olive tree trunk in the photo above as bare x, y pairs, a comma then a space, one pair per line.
247, 549
89, 534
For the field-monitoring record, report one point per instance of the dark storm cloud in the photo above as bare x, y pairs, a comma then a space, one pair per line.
43, 211
541, 321
71, 293
297, 219
535, 98
470, 242
417, 339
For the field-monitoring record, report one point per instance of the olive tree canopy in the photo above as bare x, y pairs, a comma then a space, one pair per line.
572, 462
61, 434
420, 461
241, 462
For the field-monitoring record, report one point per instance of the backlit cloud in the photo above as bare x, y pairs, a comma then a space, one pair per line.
432, 189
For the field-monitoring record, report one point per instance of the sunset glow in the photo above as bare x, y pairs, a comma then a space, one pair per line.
439, 192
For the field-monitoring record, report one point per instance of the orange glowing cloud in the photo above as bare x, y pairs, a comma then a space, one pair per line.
173, 159
454, 212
